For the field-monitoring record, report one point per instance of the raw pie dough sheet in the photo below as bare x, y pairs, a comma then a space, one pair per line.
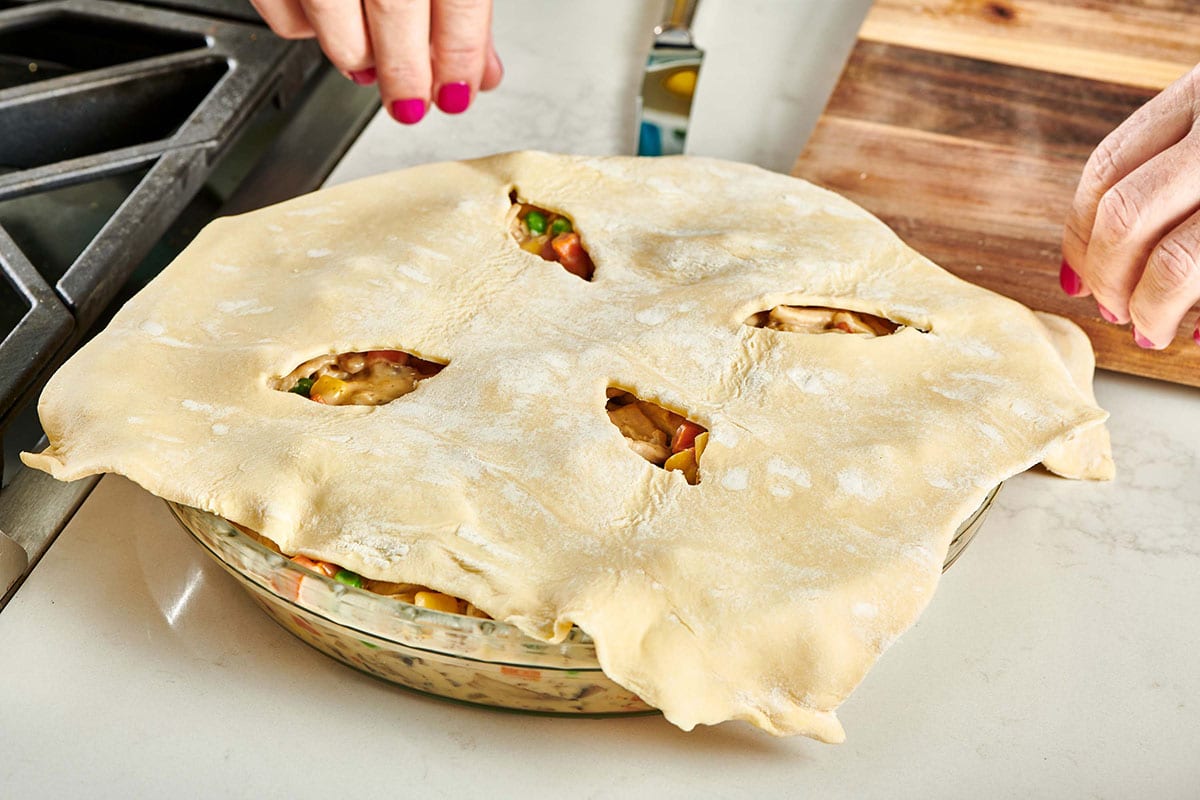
838, 468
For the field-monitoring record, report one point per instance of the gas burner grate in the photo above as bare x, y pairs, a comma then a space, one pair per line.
112, 117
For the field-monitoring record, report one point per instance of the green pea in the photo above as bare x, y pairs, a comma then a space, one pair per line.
536, 221
302, 387
561, 225
349, 578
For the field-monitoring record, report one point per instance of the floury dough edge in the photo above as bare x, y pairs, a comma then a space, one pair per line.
838, 469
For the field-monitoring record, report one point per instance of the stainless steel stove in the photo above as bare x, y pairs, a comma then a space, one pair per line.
124, 128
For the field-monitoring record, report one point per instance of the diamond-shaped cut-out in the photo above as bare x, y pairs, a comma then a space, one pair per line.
550, 235
820, 319
661, 436
368, 378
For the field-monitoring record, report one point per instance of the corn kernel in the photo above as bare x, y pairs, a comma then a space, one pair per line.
328, 389
534, 245
685, 462
437, 601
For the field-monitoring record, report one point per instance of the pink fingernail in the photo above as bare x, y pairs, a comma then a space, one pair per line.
408, 112
1108, 315
1196, 335
1142, 341
364, 77
1069, 280
453, 98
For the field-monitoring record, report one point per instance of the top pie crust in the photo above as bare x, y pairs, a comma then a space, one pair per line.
837, 469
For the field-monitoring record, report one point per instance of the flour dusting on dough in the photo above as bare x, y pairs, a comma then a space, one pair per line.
836, 470
795, 473
857, 483
736, 479
814, 381
249, 306
652, 316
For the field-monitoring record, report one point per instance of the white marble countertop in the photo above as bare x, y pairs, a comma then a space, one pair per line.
1058, 658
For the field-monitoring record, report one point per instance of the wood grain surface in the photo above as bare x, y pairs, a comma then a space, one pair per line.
965, 124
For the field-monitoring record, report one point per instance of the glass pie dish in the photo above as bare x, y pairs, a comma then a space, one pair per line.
473, 660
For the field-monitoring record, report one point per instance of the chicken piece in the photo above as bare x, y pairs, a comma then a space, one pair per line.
634, 424
656, 454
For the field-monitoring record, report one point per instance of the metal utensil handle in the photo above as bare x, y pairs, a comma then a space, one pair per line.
678, 16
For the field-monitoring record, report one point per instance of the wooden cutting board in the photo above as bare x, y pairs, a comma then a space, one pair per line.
965, 124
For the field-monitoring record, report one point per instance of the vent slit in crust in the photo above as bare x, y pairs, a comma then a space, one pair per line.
821, 319
665, 439
369, 378
550, 235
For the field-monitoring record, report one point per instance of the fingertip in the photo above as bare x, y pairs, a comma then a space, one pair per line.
459, 40
1141, 341
454, 98
399, 34
408, 111
1069, 280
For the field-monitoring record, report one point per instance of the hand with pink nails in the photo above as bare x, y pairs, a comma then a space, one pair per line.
419, 51
1132, 237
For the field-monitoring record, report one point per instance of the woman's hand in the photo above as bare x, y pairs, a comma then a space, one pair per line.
418, 50
1132, 238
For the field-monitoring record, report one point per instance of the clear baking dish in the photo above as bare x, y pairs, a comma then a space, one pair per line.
473, 660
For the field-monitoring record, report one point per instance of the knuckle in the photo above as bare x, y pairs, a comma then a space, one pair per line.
411, 79
1175, 264
1074, 234
458, 52
1103, 165
1119, 213
1190, 85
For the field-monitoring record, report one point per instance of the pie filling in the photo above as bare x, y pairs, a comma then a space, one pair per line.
359, 379
662, 437
818, 319
370, 378
550, 235
421, 596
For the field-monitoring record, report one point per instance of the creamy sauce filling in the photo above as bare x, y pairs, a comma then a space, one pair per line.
818, 319
369, 378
